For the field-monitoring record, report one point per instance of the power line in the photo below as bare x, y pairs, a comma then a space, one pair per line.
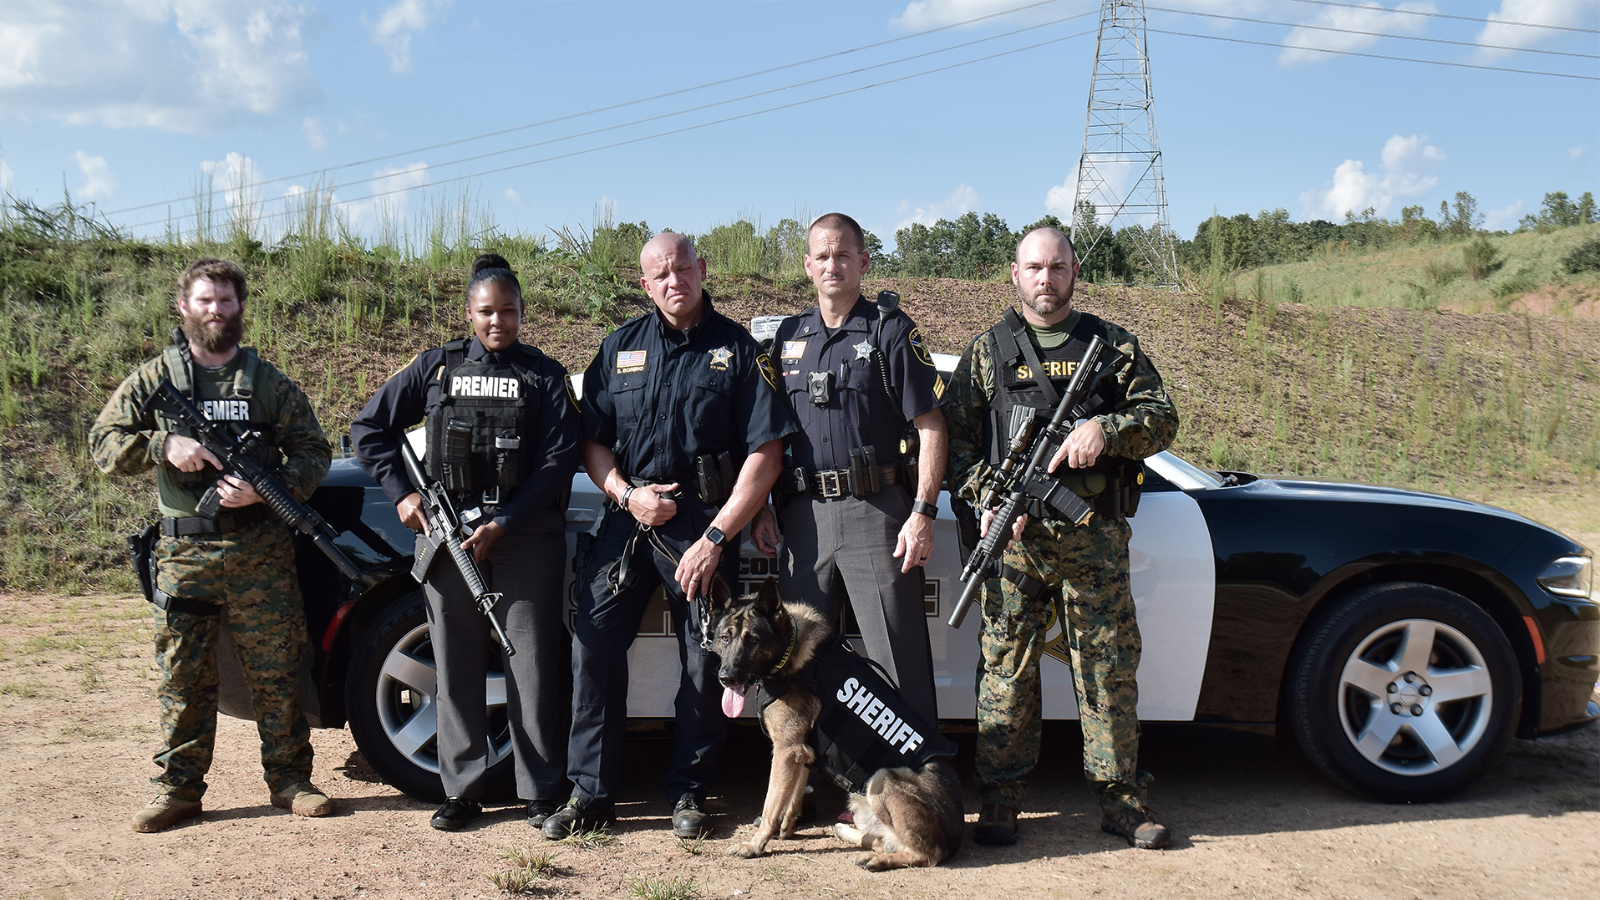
1430, 62
673, 131
704, 106
591, 112
1403, 37
1440, 15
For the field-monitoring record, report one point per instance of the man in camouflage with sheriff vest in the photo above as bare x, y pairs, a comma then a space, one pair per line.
239, 564
1055, 564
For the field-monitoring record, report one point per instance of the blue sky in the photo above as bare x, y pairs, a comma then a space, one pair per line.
136, 104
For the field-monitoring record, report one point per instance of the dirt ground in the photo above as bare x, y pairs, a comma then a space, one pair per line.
77, 727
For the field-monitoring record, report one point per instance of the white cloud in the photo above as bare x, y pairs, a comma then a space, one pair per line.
1503, 219
925, 14
961, 200
7, 176
396, 184
513, 196
99, 182
1405, 173
1059, 200
173, 65
312, 129
1577, 152
238, 178
1501, 30
394, 28
1370, 17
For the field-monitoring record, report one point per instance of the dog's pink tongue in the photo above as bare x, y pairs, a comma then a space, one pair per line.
732, 702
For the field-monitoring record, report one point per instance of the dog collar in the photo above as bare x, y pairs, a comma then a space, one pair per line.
794, 638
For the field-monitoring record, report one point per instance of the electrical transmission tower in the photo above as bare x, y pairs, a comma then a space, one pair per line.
1120, 183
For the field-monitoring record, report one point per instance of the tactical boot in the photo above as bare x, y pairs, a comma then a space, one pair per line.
576, 817
303, 799
539, 811
164, 812
1139, 826
997, 825
689, 821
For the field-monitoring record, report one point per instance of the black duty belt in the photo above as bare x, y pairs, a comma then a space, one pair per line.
836, 482
226, 522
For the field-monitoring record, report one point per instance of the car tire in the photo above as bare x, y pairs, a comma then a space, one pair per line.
1404, 692
390, 697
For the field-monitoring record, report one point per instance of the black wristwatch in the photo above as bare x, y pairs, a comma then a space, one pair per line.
926, 508
715, 536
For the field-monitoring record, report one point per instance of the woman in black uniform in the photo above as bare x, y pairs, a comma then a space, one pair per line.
502, 435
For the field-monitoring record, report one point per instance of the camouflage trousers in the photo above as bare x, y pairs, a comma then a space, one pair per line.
1087, 567
250, 576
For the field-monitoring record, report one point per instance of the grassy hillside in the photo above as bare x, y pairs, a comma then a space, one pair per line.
1432, 276
1466, 404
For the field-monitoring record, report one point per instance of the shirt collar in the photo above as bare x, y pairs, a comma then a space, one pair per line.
476, 351
858, 319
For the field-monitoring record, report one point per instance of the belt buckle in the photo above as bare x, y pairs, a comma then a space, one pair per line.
833, 484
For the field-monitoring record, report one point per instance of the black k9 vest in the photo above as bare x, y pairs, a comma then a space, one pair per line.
483, 418
864, 725
234, 401
1017, 385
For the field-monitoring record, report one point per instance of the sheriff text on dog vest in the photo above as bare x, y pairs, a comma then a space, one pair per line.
879, 717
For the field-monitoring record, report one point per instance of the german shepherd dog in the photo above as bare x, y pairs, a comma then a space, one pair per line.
906, 818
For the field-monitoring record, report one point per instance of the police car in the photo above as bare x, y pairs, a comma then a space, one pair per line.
1402, 638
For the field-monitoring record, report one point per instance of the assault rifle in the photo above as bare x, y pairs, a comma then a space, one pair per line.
1024, 475
444, 531
241, 452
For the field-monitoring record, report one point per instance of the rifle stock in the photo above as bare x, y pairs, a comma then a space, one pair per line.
443, 532
1033, 480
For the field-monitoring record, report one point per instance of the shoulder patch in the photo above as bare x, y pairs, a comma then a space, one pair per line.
919, 348
764, 363
567, 383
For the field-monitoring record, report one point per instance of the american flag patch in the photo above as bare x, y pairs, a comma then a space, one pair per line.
794, 349
630, 361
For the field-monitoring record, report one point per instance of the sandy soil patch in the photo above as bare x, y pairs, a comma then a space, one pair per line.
77, 725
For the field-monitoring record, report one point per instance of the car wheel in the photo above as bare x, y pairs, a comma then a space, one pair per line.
1404, 692
391, 699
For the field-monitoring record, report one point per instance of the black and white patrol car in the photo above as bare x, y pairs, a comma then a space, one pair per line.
1402, 638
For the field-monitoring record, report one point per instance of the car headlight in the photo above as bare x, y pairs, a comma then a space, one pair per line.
1569, 576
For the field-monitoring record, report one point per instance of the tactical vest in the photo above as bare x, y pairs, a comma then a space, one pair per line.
1017, 385
242, 400
483, 417
863, 725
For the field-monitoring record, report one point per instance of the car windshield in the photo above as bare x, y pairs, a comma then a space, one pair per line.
1203, 476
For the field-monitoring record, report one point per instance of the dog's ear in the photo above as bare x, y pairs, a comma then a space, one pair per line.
721, 596
768, 603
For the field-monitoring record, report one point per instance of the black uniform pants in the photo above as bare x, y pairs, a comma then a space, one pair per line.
606, 627
843, 549
526, 568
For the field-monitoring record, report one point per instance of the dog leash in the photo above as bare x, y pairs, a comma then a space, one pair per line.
618, 577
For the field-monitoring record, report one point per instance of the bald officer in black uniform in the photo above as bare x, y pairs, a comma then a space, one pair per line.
855, 522
683, 430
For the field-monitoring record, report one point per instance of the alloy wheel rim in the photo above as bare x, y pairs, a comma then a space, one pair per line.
407, 697
1415, 697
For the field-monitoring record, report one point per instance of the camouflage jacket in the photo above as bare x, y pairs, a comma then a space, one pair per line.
1143, 424
127, 440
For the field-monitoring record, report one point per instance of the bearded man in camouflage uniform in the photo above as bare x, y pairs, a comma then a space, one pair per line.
1054, 563
239, 564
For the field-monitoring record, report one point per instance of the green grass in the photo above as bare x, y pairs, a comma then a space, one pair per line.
1276, 370
662, 887
1428, 276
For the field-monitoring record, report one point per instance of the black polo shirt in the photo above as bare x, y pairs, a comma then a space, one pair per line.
860, 413
660, 397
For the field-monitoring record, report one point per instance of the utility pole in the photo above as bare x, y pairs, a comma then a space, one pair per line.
1120, 182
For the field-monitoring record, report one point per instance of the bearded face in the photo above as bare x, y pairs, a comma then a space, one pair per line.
1045, 298
212, 318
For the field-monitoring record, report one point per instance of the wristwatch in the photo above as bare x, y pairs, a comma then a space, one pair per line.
715, 536
926, 508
